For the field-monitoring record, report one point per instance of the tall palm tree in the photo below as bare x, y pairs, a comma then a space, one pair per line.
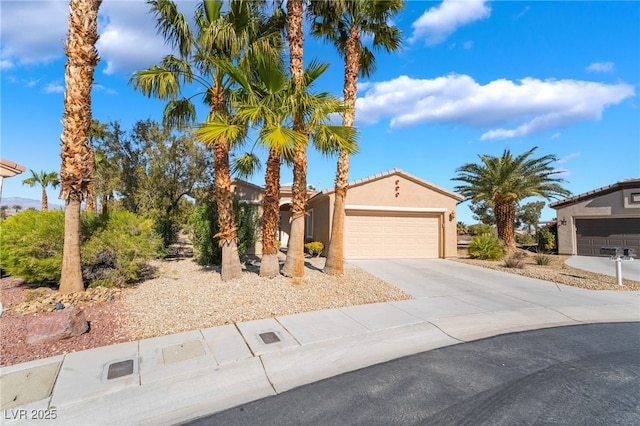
217, 35
75, 172
343, 23
505, 180
294, 264
268, 100
43, 179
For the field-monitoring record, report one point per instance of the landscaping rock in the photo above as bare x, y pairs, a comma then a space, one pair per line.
57, 326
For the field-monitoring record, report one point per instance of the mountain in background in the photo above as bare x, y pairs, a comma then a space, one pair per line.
26, 203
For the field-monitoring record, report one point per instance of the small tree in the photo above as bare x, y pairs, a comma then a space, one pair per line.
43, 179
529, 214
17, 208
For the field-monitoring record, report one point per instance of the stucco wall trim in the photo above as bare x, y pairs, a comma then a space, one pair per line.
397, 209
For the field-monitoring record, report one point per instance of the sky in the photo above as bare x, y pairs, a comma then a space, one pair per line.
471, 78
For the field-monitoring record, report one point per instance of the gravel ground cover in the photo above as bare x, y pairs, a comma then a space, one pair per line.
185, 296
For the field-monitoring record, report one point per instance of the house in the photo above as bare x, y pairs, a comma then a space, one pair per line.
605, 217
389, 215
249, 193
9, 169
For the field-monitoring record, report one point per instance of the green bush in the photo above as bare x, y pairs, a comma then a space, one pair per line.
546, 240
486, 247
525, 239
481, 229
542, 259
31, 245
314, 248
207, 249
462, 228
114, 248
119, 250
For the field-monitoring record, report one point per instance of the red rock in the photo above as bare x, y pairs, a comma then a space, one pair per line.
57, 325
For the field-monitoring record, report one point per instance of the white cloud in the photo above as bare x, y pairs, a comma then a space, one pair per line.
555, 135
439, 22
568, 157
467, 45
524, 12
128, 39
601, 67
528, 106
53, 88
33, 32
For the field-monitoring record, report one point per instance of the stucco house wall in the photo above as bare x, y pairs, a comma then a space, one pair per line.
617, 201
394, 192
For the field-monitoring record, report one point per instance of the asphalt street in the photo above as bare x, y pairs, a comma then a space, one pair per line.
577, 375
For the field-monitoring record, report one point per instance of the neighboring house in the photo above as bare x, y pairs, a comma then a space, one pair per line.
605, 217
9, 169
390, 215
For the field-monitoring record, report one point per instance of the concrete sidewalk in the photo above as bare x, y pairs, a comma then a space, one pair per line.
172, 378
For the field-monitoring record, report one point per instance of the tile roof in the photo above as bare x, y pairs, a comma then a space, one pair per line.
622, 184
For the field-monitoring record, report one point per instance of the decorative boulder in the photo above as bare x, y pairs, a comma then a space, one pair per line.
57, 325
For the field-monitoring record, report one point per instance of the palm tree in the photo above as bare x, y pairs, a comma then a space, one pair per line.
44, 180
343, 23
504, 181
75, 172
217, 36
268, 100
294, 264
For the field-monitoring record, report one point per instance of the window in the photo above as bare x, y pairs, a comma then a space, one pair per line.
308, 224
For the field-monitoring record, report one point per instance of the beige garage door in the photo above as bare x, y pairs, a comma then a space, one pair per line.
383, 235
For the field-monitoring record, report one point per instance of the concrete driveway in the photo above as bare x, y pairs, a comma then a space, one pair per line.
446, 281
604, 265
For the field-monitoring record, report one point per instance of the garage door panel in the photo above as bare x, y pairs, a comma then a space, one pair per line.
391, 235
592, 234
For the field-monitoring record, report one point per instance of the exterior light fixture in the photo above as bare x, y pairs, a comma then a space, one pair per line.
563, 221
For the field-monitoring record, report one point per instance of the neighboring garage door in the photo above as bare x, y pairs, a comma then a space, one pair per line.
591, 234
383, 235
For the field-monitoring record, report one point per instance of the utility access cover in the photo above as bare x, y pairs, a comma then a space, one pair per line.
269, 337
120, 369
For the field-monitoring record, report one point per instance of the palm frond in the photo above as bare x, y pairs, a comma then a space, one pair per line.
246, 165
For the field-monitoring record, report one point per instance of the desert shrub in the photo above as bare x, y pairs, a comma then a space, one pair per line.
525, 239
205, 225
542, 259
31, 245
486, 247
119, 251
546, 240
462, 228
113, 247
481, 229
314, 248
515, 260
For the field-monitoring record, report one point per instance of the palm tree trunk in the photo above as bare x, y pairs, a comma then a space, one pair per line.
294, 264
269, 266
75, 172
231, 266
505, 219
45, 200
71, 280
335, 253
